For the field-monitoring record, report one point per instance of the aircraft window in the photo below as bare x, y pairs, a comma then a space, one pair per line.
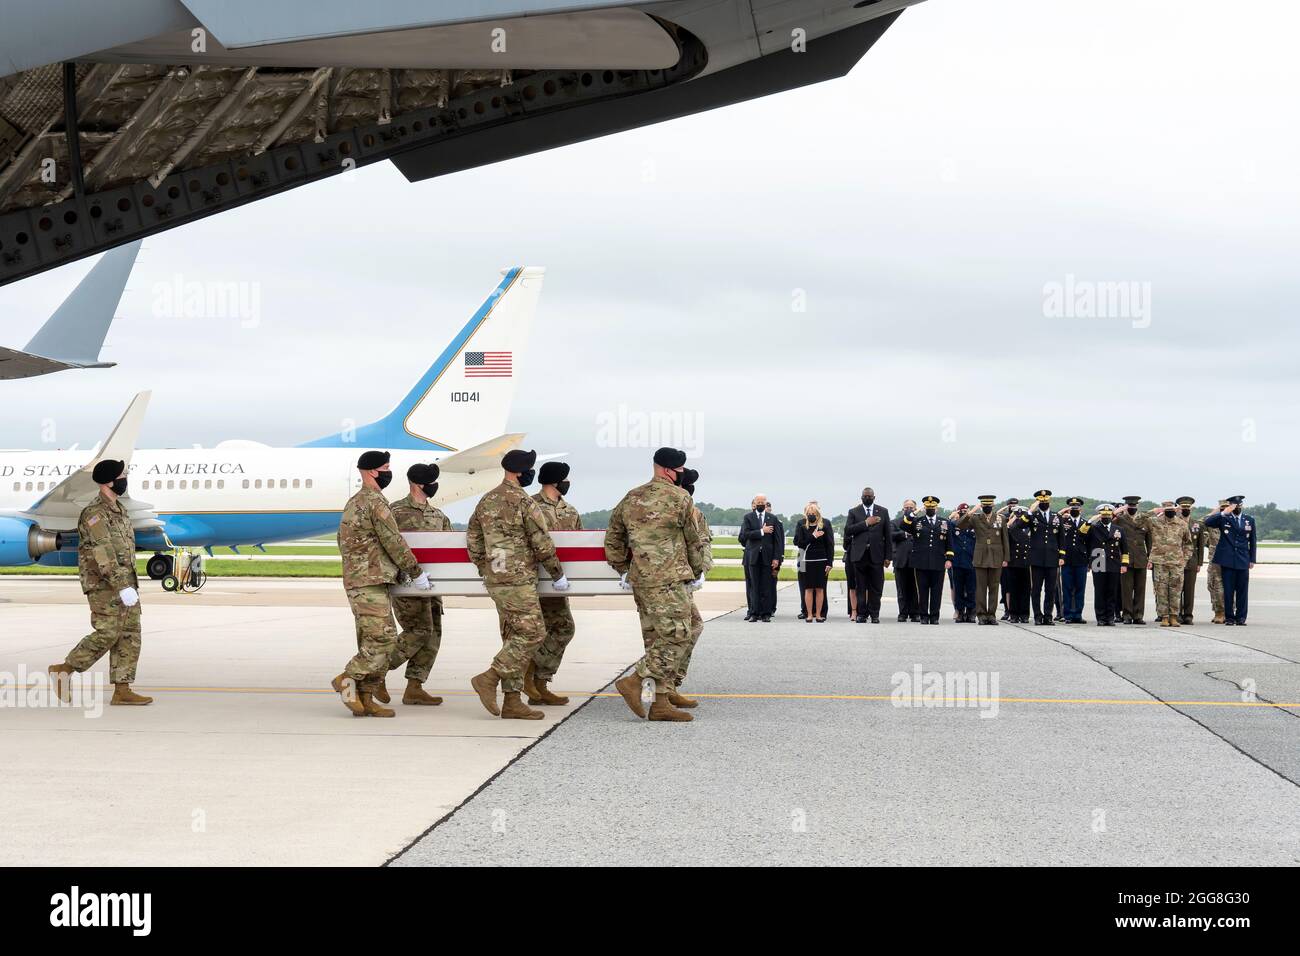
308, 482
221, 483
295, 482
207, 484
284, 483
170, 484
245, 482
183, 484
18, 486
257, 483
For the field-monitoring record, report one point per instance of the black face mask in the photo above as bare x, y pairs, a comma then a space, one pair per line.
1187, 512
987, 509
868, 500
1132, 509
383, 479
430, 489
1044, 505
119, 486
1169, 512
1236, 510
929, 512
562, 486
1075, 512
526, 478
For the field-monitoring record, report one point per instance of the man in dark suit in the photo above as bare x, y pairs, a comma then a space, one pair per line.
869, 544
904, 575
758, 536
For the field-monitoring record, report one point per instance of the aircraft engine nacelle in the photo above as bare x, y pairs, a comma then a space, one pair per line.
23, 542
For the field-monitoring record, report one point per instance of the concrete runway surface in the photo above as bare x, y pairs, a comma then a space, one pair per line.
1047, 745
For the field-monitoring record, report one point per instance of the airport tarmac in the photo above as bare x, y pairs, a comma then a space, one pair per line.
1066, 745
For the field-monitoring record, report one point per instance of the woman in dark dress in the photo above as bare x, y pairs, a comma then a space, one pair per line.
815, 537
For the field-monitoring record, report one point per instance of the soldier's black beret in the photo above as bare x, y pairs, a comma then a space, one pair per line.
107, 471
421, 474
553, 472
373, 459
670, 457
689, 477
518, 460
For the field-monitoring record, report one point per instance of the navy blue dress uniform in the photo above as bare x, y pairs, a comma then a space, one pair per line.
1109, 559
962, 573
1019, 537
931, 555
1235, 554
1007, 511
1074, 573
904, 578
1045, 555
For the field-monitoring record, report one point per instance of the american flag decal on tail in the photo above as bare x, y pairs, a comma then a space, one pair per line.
488, 365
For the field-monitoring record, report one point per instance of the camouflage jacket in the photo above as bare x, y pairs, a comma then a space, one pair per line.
653, 536
410, 515
507, 538
706, 537
106, 552
559, 515
1199, 532
1171, 541
372, 547
1211, 538
1137, 531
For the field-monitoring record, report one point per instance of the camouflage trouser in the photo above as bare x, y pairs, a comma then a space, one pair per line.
522, 631
372, 611
1169, 589
1215, 578
116, 630
417, 645
668, 610
559, 631
648, 633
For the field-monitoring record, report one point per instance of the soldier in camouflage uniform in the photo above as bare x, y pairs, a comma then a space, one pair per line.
374, 554
1171, 549
689, 477
1133, 587
106, 558
507, 540
1198, 532
654, 542
420, 618
556, 616
1214, 577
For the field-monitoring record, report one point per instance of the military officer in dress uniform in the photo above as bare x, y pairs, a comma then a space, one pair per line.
962, 573
1214, 576
1109, 560
1197, 530
990, 559
1005, 582
1074, 572
1018, 564
1045, 555
1235, 556
560, 516
931, 555
419, 618
1137, 532
106, 559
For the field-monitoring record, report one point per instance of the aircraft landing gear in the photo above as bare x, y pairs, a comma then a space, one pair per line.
159, 566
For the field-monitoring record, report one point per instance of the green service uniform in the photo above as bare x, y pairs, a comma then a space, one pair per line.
992, 549
1133, 586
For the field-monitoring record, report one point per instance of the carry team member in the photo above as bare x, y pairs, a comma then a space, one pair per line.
374, 555
556, 616
654, 542
687, 483
420, 618
106, 563
507, 540
991, 550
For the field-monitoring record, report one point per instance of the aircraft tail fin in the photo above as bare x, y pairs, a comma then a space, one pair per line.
466, 394
74, 334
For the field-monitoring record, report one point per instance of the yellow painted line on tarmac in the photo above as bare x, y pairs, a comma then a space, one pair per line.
867, 697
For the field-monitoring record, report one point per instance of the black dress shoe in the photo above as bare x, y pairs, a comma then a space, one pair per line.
875, 619
1241, 623
914, 618
1048, 622
750, 617
802, 615
766, 619
902, 617
859, 620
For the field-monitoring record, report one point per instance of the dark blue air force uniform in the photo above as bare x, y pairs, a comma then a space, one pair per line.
1234, 556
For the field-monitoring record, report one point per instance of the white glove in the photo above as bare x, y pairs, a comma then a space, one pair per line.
697, 583
622, 582
130, 597
561, 583
422, 582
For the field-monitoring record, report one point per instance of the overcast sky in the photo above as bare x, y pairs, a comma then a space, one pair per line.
925, 211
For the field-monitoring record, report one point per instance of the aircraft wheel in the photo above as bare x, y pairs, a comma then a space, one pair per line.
169, 582
159, 566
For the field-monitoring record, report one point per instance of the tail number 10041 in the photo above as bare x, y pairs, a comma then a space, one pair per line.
464, 396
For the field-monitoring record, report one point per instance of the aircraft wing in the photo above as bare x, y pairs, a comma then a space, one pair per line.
483, 457
60, 507
18, 364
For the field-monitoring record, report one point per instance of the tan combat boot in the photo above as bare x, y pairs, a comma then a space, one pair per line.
123, 695
1174, 622
677, 700
530, 685
415, 694
630, 689
485, 685
540, 695
1218, 618
513, 708
1164, 622
380, 690
346, 688
661, 709
61, 680
372, 709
